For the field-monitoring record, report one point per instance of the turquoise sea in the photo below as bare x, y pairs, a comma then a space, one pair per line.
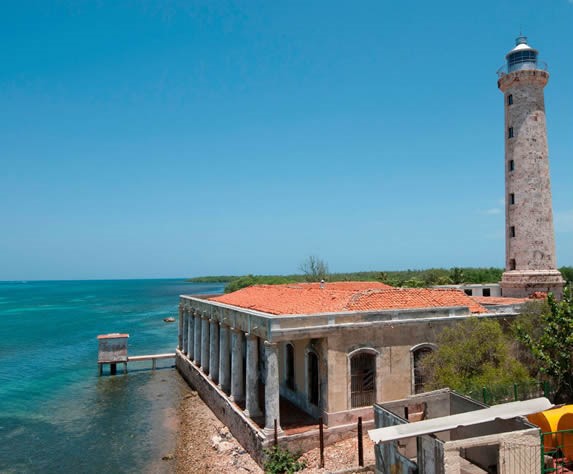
56, 414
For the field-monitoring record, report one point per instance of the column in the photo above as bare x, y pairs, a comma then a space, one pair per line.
190, 334
237, 376
272, 410
180, 332
197, 336
252, 390
185, 330
214, 351
205, 344
224, 359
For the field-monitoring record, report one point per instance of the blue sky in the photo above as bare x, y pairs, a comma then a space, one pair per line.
167, 139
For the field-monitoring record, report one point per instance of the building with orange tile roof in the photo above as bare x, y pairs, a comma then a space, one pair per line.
322, 350
308, 298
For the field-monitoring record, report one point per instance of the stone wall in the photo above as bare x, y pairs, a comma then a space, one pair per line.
393, 343
530, 242
242, 428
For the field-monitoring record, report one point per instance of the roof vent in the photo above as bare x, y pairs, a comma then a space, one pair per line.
520, 40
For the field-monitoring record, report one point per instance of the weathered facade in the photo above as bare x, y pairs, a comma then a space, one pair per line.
333, 365
530, 244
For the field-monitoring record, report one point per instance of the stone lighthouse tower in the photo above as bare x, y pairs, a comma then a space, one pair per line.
530, 263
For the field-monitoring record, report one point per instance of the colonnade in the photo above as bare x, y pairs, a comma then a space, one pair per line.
217, 349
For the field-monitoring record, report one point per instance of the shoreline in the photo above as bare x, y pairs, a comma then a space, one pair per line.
204, 444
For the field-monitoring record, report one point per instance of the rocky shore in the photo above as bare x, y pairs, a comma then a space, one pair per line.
205, 445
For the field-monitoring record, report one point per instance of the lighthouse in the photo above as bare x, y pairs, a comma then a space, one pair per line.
530, 261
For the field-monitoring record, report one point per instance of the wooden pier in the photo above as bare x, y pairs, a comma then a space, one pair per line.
113, 351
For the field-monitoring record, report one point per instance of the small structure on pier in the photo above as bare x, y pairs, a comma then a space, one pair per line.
112, 350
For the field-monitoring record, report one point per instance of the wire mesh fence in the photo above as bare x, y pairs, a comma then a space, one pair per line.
520, 458
557, 452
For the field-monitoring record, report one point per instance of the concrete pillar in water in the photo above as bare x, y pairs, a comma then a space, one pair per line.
205, 344
224, 359
214, 351
272, 406
252, 379
237, 375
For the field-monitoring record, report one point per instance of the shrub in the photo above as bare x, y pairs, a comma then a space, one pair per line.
282, 461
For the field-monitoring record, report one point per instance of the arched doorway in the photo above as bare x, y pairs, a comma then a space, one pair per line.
419, 375
362, 379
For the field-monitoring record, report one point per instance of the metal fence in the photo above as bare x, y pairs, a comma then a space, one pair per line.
557, 452
496, 394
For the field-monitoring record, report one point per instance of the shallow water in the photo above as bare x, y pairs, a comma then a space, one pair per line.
56, 414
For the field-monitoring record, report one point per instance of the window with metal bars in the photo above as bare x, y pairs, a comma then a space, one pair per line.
419, 372
362, 380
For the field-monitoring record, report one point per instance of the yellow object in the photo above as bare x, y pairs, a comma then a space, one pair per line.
549, 421
565, 440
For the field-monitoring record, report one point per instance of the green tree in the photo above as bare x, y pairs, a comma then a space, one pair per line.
314, 269
413, 283
567, 273
457, 275
470, 355
529, 321
382, 277
551, 343
241, 282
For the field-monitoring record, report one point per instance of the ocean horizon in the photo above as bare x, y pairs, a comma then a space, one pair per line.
56, 414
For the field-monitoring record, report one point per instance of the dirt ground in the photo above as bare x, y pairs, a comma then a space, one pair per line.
205, 445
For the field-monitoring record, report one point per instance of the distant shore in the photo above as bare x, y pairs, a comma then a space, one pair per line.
401, 278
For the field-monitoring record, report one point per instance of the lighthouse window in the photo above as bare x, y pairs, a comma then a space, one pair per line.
510, 132
512, 198
511, 165
512, 231
512, 263
510, 99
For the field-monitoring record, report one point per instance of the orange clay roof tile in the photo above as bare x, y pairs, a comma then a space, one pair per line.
497, 300
310, 298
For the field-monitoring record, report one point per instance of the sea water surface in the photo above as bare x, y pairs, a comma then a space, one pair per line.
56, 414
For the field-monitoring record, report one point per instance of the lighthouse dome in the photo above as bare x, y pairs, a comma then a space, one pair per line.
522, 56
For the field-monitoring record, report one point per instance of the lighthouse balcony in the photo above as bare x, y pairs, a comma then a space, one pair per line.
521, 64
